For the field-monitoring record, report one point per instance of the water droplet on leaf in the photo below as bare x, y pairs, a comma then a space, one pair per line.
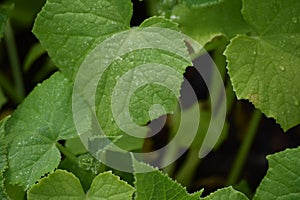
294, 20
296, 102
282, 68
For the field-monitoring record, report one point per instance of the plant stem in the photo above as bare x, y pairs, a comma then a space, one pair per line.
67, 153
244, 148
9, 90
187, 171
14, 61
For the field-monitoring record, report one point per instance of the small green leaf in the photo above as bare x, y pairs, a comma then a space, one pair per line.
282, 180
85, 177
226, 193
205, 23
40, 121
62, 185
265, 69
109, 186
156, 185
69, 30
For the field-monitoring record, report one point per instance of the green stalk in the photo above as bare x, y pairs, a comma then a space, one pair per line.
67, 153
14, 61
9, 90
244, 148
170, 154
187, 171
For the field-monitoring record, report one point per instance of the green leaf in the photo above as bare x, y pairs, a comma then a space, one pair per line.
14, 192
205, 23
282, 180
3, 159
62, 185
265, 68
86, 177
40, 121
131, 69
69, 30
109, 186
226, 193
156, 185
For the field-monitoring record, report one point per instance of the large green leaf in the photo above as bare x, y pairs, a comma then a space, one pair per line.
69, 30
282, 180
156, 185
3, 160
62, 185
34, 128
137, 69
226, 193
205, 23
265, 68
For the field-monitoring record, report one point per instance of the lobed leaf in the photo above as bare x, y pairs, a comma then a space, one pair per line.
151, 50
62, 185
265, 68
35, 127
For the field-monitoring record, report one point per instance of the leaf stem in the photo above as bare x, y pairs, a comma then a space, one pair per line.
187, 171
9, 90
244, 148
14, 60
67, 153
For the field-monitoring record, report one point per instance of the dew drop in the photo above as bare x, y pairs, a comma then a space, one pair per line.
294, 20
282, 68
296, 102
174, 17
